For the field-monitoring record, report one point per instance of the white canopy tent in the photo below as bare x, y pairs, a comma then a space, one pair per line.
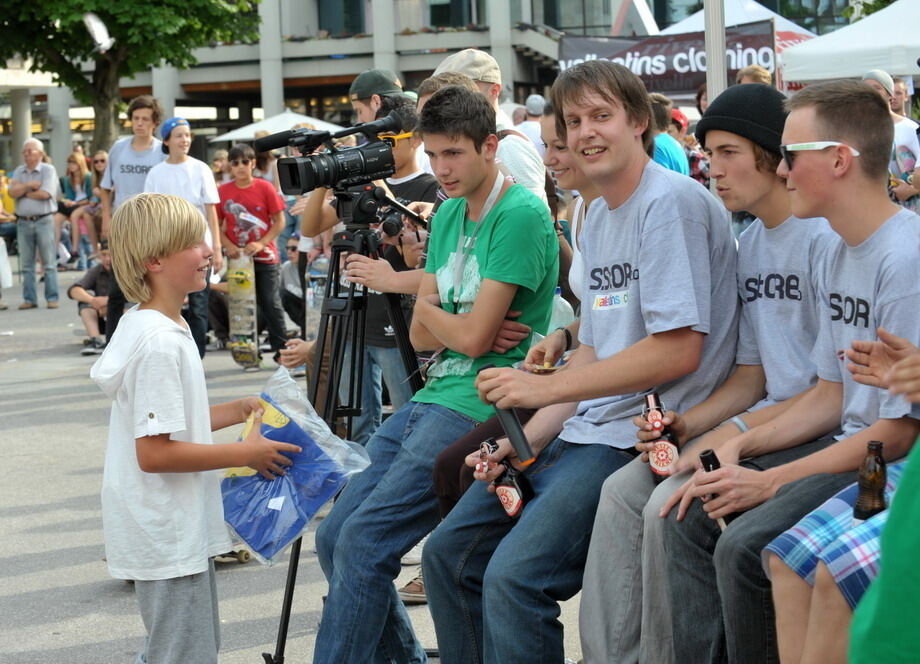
888, 39
736, 12
274, 124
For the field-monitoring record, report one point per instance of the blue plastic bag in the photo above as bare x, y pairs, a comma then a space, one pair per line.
267, 515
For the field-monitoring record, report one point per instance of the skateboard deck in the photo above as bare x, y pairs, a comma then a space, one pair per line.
241, 306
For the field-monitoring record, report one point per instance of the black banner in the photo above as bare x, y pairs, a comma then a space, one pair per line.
674, 63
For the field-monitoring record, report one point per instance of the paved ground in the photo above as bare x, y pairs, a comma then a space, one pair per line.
57, 602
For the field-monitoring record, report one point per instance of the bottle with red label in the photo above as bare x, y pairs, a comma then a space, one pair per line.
662, 459
512, 487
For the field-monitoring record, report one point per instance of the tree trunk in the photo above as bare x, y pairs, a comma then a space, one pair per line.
105, 131
105, 101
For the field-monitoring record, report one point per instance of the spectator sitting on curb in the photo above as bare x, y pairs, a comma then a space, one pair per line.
91, 292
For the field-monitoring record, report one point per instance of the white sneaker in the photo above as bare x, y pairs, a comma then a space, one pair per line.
414, 556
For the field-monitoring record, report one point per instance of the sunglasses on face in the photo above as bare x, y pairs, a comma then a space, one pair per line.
789, 151
98, 161
294, 248
393, 139
237, 162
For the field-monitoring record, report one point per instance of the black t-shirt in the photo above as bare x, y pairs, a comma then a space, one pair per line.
378, 331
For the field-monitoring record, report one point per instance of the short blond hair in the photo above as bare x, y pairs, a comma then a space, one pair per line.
756, 73
149, 226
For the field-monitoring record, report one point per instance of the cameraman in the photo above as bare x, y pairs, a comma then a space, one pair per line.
382, 361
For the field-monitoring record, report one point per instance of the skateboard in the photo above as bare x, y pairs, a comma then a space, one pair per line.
239, 555
241, 306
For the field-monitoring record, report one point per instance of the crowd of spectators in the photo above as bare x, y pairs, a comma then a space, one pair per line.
774, 316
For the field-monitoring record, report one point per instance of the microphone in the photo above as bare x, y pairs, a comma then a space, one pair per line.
513, 429
273, 142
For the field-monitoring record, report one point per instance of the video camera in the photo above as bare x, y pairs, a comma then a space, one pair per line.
336, 167
349, 170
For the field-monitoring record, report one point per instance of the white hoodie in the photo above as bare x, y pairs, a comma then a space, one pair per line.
157, 525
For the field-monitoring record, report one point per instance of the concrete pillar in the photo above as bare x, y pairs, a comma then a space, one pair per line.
166, 88
270, 63
59, 101
383, 18
245, 108
498, 16
21, 119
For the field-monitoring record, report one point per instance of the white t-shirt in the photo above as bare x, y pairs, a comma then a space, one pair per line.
518, 158
157, 525
531, 129
576, 270
191, 180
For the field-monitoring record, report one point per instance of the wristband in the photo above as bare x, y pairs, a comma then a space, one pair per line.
738, 422
568, 337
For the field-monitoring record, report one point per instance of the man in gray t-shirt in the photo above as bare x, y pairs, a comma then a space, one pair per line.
659, 312
870, 278
626, 565
129, 161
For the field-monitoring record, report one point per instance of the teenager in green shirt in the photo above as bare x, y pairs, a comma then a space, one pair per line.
494, 252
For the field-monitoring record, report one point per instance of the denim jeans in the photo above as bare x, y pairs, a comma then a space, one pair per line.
32, 235
379, 363
268, 301
494, 582
382, 513
197, 317
723, 607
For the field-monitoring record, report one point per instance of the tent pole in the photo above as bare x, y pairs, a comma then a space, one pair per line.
716, 75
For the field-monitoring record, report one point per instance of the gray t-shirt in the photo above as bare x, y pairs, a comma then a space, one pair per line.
127, 168
663, 260
33, 207
874, 284
777, 274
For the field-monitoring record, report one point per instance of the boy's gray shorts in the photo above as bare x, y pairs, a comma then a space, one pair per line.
181, 619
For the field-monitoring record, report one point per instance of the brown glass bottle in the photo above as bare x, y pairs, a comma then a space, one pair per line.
663, 457
513, 489
873, 477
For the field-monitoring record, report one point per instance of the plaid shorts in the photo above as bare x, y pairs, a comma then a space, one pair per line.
828, 535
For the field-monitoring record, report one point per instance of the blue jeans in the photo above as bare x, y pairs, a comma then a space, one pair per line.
29, 236
197, 317
382, 513
494, 583
379, 363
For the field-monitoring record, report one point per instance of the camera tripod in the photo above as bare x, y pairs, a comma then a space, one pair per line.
342, 319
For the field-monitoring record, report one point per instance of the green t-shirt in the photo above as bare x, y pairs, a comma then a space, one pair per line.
884, 627
515, 245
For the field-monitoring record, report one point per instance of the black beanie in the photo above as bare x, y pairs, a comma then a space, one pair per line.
752, 110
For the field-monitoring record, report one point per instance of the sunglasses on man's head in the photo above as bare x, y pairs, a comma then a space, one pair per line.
237, 162
393, 139
788, 151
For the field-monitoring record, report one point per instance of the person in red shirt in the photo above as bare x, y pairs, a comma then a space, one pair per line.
251, 217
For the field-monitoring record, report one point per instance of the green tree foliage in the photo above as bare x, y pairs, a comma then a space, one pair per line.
866, 7
146, 33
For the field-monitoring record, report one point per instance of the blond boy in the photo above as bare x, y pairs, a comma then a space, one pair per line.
161, 504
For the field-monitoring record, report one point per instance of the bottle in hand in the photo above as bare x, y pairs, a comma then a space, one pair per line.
873, 476
663, 457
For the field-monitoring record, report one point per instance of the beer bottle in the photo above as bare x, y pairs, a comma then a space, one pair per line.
512, 487
663, 456
872, 480
710, 462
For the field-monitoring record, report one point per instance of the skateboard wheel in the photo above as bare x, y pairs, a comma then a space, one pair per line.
243, 556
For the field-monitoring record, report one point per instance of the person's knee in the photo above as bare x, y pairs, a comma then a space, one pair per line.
779, 570
326, 536
440, 553
737, 554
